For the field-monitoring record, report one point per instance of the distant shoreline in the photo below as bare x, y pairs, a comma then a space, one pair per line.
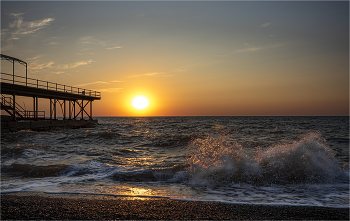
34, 205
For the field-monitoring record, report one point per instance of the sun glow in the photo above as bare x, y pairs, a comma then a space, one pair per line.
140, 102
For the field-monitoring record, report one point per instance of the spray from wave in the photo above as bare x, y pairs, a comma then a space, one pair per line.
216, 161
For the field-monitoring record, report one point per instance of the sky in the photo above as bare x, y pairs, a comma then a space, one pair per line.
199, 58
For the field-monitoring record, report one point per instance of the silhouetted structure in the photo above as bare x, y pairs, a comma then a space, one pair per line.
78, 99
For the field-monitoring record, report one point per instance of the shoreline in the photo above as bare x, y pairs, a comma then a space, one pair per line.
37, 205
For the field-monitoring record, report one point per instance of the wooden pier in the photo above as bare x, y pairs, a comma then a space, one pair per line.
77, 100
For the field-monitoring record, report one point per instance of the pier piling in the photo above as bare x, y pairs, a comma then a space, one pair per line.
14, 85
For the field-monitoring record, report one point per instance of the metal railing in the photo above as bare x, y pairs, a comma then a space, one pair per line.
31, 114
19, 110
30, 82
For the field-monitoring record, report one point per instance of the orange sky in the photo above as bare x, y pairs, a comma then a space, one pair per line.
188, 58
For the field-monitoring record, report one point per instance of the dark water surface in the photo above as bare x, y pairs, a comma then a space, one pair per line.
268, 160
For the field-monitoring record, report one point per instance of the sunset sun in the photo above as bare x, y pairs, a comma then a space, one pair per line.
140, 102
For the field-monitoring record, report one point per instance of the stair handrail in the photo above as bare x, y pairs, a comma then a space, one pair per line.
18, 108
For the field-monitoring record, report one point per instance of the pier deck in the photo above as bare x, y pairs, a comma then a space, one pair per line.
13, 85
7, 88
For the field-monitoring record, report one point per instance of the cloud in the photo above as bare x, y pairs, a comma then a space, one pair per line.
52, 43
90, 40
97, 82
36, 57
152, 74
21, 27
251, 48
75, 65
147, 74
86, 40
35, 66
116, 47
266, 24
17, 23
113, 89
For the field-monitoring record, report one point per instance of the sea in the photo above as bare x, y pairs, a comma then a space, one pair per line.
245, 160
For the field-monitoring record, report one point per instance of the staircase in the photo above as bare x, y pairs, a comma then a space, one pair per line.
7, 105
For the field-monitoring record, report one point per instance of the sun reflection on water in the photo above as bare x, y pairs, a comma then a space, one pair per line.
140, 191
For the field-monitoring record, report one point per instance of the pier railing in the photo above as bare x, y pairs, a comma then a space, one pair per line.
19, 111
30, 82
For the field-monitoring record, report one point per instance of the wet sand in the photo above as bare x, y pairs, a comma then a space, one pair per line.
29, 205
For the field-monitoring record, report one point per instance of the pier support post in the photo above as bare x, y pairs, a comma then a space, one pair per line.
13, 72
50, 109
70, 110
90, 110
64, 109
82, 109
14, 105
54, 110
26, 75
37, 108
34, 107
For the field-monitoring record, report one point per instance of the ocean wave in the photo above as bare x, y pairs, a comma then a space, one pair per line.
134, 176
19, 150
173, 140
36, 171
102, 134
216, 161
166, 174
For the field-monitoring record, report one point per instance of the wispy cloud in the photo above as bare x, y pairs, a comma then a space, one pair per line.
53, 41
36, 57
266, 24
251, 48
147, 74
113, 89
19, 27
35, 66
85, 51
152, 74
90, 41
116, 47
98, 82
74, 65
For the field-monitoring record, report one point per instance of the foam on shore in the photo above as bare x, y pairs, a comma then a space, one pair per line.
32, 205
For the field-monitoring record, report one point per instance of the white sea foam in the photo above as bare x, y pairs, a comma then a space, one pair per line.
216, 161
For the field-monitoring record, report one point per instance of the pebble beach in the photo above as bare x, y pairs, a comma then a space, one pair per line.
32, 205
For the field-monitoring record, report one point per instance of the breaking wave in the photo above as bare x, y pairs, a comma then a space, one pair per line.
216, 161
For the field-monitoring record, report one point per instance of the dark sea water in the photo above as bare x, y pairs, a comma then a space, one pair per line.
255, 160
